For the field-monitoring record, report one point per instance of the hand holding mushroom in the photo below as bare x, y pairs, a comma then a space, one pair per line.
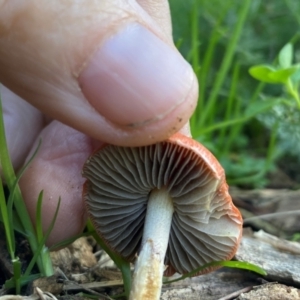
108, 69
166, 202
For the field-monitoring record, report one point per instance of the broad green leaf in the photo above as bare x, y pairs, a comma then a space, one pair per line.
281, 76
285, 56
262, 73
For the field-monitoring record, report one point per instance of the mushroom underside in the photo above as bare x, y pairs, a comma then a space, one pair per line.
205, 225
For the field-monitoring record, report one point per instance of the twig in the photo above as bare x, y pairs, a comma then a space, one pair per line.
44, 295
237, 293
274, 215
88, 287
280, 244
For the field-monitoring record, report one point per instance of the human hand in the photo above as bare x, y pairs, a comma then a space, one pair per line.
107, 69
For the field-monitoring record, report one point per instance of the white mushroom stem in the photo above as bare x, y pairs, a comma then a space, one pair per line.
149, 266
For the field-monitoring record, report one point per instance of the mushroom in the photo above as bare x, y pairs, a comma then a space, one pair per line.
167, 202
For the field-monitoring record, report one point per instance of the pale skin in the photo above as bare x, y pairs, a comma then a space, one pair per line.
45, 47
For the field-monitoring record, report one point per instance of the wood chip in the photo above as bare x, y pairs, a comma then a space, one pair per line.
281, 266
210, 286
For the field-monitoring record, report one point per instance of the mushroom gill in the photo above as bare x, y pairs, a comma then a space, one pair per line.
205, 224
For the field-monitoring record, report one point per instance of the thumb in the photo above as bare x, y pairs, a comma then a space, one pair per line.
105, 68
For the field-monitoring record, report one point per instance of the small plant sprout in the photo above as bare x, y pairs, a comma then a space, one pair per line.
285, 73
165, 206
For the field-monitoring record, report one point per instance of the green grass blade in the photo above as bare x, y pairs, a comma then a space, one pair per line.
10, 177
10, 238
17, 226
195, 41
230, 111
11, 197
17, 274
195, 51
42, 250
230, 264
230, 50
21, 172
120, 262
38, 217
246, 116
208, 59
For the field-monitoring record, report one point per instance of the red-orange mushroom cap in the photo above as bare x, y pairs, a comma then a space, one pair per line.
204, 225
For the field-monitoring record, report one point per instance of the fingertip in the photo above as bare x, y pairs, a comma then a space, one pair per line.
135, 78
139, 91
